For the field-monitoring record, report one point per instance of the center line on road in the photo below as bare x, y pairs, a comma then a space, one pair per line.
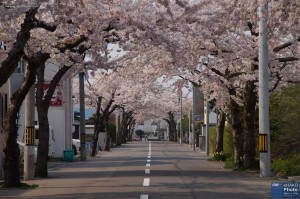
146, 182
144, 196
147, 171
148, 165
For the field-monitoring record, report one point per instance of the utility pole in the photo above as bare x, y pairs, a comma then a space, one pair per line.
193, 116
82, 118
181, 129
264, 134
29, 136
118, 128
190, 132
207, 126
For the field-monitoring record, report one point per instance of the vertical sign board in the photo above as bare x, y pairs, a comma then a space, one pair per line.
263, 143
285, 190
29, 135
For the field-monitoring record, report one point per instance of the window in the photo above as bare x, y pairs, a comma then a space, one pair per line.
21, 66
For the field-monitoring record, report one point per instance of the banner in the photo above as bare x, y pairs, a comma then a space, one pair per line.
56, 98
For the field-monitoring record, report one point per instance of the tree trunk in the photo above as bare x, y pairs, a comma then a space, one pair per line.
11, 150
119, 133
107, 138
41, 169
237, 131
96, 128
172, 126
43, 102
220, 131
131, 129
124, 127
250, 100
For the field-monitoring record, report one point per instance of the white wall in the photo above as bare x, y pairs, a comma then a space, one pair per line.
56, 117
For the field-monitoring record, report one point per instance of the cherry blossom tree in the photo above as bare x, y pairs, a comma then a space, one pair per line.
210, 43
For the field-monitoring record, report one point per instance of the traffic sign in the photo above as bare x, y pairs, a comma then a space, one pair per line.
197, 118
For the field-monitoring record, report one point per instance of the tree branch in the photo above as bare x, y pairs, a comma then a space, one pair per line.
286, 59
283, 46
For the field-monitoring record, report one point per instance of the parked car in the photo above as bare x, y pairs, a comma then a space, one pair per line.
136, 139
76, 146
51, 140
21, 147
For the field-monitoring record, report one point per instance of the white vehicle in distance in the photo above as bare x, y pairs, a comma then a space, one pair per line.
21, 147
76, 146
51, 140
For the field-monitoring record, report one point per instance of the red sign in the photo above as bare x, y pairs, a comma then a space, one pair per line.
56, 98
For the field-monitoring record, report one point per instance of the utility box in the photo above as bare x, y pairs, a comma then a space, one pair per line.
69, 155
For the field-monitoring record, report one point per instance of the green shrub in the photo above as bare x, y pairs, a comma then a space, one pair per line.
212, 139
228, 142
229, 164
289, 166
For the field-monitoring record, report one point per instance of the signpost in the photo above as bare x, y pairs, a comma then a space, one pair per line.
197, 118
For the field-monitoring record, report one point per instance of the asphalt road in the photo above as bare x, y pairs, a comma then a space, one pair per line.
144, 170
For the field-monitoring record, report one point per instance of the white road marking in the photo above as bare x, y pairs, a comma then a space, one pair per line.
147, 171
149, 156
148, 165
148, 160
144, 196
146, 182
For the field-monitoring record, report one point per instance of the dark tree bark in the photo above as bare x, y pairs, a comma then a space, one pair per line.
123, 126
126, 122
220, 131
104, 120
172, 126
96, 127
131, 128
119, 133
41, 169
43, 103
237, 131
10, 130
250, 99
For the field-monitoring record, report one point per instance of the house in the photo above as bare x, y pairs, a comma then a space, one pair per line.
157, 129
